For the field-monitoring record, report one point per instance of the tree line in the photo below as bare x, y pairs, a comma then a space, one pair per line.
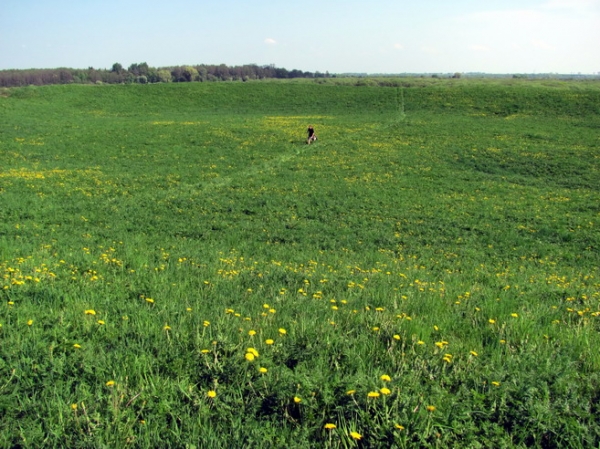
142, 73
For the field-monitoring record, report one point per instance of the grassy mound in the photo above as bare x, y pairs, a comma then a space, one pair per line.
178, 268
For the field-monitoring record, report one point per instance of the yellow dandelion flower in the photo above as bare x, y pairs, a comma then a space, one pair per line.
188, 309
396, 337
205, 351
330, 426
101, 322
385, 378
514, 315
252, 351
73, 406
249, 356
149, 300
30, 322
420, 342
430, 408
90, 312
252, 333
110, 383
385, 391
474, 354
211, 394
350, 392
266, 306
356, 435
167, 327
492, 321
495, 383
376, 329
206, 323
77, 346
262, 370
399, 427
282, 331
373, 394
297, 400
269, 341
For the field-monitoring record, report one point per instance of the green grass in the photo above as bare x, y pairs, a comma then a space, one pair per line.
442, 233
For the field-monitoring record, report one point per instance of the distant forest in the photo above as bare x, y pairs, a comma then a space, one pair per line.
143, 74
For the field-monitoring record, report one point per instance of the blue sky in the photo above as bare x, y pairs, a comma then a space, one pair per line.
380, 36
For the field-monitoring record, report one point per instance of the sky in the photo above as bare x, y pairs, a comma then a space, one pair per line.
335, 36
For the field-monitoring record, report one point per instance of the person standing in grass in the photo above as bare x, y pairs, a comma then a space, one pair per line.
311, 135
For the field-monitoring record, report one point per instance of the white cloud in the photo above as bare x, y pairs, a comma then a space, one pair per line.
270, 41
479, 48
399, 46
541, 44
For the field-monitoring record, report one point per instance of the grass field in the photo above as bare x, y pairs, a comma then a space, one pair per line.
179, 269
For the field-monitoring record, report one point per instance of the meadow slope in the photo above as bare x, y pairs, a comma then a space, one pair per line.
179, 269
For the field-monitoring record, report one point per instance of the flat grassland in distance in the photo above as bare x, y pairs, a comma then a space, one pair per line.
179, 269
